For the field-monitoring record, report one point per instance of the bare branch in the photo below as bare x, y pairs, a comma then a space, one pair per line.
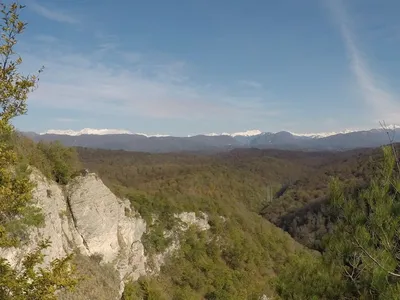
375, 260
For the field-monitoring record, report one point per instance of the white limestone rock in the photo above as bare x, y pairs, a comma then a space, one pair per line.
49, 196
86, 216
190, 218
106, 229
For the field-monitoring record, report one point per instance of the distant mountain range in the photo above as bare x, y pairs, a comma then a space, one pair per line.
125, 140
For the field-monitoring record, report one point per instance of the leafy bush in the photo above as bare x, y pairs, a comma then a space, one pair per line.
146, 289
54, 160
33, 283
308, 277
64, 161
154, 240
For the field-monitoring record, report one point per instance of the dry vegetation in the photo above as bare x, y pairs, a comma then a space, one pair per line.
98, 282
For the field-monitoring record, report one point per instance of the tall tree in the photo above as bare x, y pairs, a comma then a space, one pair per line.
15, 187
16, 209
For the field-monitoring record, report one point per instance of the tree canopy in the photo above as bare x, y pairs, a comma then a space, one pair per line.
17, 211
360, 258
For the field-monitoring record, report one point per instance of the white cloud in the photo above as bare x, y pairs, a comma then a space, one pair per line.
382, 103
85, 83
52, 14
131, 57
251, 84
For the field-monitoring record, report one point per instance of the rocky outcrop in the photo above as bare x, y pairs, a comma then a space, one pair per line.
105, 227
186, 219
86, 216
50, 197
190, 219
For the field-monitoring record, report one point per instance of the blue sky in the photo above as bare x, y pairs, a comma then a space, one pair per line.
195, 66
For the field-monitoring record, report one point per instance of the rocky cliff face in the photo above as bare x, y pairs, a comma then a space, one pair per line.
104, 226
86, 216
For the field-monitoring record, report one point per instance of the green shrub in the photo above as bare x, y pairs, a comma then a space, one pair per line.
308, 277
54, 160
154, 240
146, 289
64, 160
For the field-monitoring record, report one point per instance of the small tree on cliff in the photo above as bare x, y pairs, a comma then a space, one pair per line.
15, 188
16, 209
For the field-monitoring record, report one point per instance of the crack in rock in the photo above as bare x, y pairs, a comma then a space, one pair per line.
74, 222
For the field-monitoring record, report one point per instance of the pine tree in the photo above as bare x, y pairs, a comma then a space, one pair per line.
361, 257
366, 239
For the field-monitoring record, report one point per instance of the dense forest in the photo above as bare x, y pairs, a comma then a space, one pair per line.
245, 193
238, 257
288, 188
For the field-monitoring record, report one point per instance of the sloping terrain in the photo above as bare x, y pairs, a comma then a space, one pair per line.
235, 194
242, 252
289, 188
300, 207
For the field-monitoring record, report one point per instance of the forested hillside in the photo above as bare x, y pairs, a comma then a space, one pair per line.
240, 255
291, 189
243, 255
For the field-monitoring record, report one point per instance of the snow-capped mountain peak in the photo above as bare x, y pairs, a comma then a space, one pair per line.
214, 134
236, 134
86, 131
247, 133
322, 134
346, 131
153, 135
91, 131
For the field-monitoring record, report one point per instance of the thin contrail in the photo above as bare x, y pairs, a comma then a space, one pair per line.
384, 104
